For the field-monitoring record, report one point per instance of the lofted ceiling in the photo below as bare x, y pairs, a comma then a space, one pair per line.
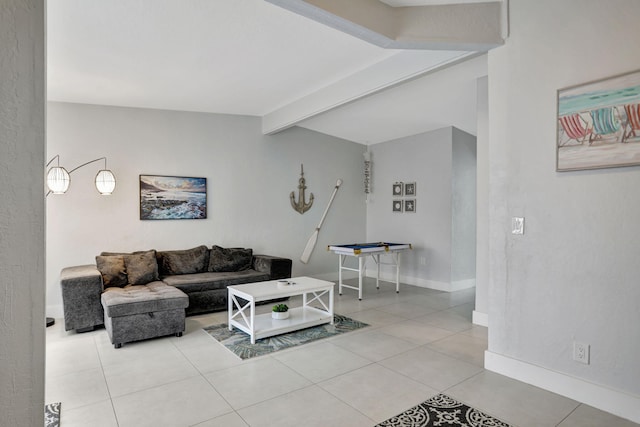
260, 58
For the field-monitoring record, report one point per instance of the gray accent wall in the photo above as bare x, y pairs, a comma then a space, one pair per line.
574, 275
442, 230
22, 219
249, 179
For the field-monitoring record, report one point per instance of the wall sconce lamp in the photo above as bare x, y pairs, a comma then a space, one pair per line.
58, 179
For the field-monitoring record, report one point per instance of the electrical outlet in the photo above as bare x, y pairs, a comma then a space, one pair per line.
581, 352
423, 260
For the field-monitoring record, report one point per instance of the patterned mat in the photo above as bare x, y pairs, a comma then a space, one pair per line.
441, 410
240, 343
52, 415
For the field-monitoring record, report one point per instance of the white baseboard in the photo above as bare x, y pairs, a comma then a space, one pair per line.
415, 281
407, 280
459, 285
479, 318
427, 284
616, 402
424, 283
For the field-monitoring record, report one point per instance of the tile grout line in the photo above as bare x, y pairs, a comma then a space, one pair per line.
106, 383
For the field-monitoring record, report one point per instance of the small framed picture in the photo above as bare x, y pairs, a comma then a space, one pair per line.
397, 205
410, 189
410, 205
397, 189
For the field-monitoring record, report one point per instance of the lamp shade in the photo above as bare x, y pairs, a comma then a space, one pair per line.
105, 182
58, 180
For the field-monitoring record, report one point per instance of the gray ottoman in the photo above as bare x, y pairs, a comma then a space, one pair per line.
136, 313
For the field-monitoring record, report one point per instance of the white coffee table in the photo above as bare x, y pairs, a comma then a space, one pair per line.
243, 316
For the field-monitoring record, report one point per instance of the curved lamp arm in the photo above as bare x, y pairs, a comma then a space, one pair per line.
89, 162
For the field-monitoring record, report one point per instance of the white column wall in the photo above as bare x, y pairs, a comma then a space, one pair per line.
463, 210
573, 275
22, 219
480, 316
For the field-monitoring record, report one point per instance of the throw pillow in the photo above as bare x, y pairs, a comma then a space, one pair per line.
123, 253
113, 270
231, 259
186, 261
115, 253
142, 268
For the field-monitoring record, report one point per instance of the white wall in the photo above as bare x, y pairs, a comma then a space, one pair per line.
22, 323
463, 209
426, 159
574, 274
480, 316
249, 178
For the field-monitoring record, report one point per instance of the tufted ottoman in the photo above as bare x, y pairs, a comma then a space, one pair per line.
137, 312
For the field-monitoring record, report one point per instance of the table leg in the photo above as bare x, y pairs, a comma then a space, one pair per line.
397, 272
340, 274
360, 268
331, 304
378, 271
230, 309
252, 321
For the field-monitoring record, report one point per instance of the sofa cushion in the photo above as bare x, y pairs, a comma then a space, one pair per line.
142, 268
231, 259
208, 281
186, 261
207, 301
134, 299
113, 270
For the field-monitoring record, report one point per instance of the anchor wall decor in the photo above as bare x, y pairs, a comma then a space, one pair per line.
301, 206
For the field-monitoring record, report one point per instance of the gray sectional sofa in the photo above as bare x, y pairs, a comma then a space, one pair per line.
142, 288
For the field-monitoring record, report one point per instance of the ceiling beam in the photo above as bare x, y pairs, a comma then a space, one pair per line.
430, 37
397, 69
465, 26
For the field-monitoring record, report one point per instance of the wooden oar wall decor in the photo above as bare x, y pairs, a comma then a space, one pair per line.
311, 244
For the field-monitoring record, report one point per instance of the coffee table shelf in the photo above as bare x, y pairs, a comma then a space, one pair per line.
299, 318
243, 317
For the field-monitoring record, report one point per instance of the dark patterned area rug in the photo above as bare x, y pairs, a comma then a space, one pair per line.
441, 410
52, 415
240, 343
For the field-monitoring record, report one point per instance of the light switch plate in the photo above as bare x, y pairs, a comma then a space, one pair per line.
517, 225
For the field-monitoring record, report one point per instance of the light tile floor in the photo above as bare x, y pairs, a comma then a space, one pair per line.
420, 342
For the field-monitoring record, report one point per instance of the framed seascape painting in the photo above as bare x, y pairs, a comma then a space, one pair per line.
599, 124
172, 197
